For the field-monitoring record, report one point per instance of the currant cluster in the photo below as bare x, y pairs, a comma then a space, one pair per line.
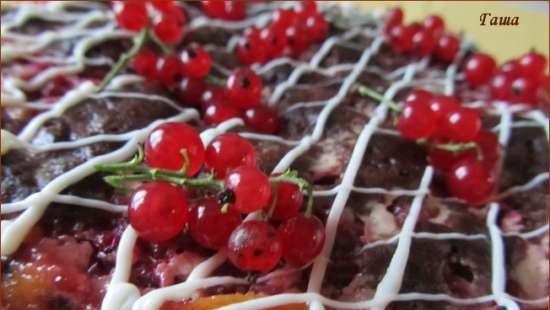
174, 197
165, 18
457, 145
421, 39
516, 81
224, 9
291, 32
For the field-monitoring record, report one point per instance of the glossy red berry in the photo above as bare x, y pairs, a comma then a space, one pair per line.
196, 62
302, 239
316, 27
501, 85
131, 15
471, 181
444, 160
190, 92
251, 188
447, 48
158, 211
401, 38
489, 147
262, 119
461, 125
283, 18
435, 25
306, 8
254, 246
524, 90
479, 69
164, 145
423, 43
145, 63
512, 67
209, 226
169, 70
394, 17
168, 29
443, 105
533, 65
288, 201
274, 41
251, 48
416, 121
227, 152
297, 38
224, 9
419, 96
244, 88
164, 5
216, 112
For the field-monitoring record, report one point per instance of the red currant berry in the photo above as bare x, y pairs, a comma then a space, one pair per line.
419, 96
164, 145
423, 43
490, 148
297, 38
512, 67
479, 69
227, 152
251, 188
196, 62
443, 105
461, 125
190, 92
228, 10
213, 94
164, 5
533, 65
283, 18
470, 180
254, 246
169, 70
288, 201
416, 121
435, 25
447, 48
524, 90
131, 15
302, 239
168, 29
216, 112
145, 63
251, 47
394, 17
158, 211
444, 160
401, 38
274, 41
306, 8
262, 119
244, 88
501, 85
209, 226
316, 27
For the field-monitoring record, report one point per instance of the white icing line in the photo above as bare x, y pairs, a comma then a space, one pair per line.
131, 95
528, 234
70, 200
389, 286
498, 267
533, 183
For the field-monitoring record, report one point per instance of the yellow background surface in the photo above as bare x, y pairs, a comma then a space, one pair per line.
504, 42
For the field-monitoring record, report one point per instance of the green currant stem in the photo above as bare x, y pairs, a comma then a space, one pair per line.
215, 80
166, 49
123, 60
368, 92
156, 175
455, 147
291, 176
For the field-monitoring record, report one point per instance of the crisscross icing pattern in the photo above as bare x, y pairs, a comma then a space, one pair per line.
122, 294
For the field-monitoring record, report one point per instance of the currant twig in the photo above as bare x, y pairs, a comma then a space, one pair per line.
291, 176
368, 92
455, 147
212, 79
133, 163
123, 60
